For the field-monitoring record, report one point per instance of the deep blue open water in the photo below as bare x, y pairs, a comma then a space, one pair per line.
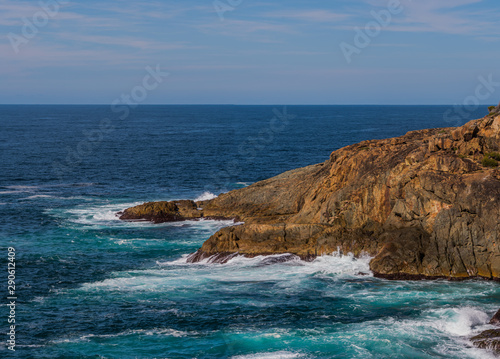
91, 286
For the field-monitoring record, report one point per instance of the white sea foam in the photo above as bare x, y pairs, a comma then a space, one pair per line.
271, 355
133, 241
451, 327
23, 188
18, 189
36, 196
205, 196
462, 321
400, 335
105, 215
331, 264
39, 196
39, 299
287, 270
12, 192
137, 332
98, 215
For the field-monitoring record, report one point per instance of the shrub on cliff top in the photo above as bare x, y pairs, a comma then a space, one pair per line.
494, 155
489, 162
491, 108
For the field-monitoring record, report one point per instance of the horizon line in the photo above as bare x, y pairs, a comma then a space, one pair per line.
229, 104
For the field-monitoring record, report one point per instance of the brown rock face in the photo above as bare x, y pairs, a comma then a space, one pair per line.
489, 339
159, 212
423, 205
496, 319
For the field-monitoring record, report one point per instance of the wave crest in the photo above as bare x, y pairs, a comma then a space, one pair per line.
205, 196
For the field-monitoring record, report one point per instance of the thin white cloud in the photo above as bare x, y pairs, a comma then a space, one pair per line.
224, 67
444, 16
14, 13
125, 41
315, 15
42, 55
238, 27
391, 45
154, 10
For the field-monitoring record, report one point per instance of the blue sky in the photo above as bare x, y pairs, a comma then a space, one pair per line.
272, 52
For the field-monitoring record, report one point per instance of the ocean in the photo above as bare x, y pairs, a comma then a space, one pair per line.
88, 285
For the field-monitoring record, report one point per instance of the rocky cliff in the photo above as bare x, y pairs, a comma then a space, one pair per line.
424, 205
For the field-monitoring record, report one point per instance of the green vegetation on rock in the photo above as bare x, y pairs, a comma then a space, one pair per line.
491, 159
494, 155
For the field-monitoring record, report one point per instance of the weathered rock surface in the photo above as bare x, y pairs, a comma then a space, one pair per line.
423, 205
496, 319
489, 339
495, 110
159, 212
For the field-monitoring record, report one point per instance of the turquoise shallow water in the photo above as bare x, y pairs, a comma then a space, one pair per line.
91, 286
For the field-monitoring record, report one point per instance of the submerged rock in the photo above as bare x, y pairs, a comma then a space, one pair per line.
489, 339
424, 205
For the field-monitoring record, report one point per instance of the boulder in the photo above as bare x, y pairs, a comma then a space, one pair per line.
159, 212
489, 339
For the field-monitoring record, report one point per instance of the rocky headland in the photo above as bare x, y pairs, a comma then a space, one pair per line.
423, 205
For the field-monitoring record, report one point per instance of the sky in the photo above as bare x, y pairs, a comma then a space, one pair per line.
250, 52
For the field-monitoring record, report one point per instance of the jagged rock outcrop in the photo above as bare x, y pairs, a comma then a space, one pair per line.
163, 211
496, 319
159, 212
494, 110
489, 339
424, 205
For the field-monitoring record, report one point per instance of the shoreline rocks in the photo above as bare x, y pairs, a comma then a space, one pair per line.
489, 339
163, 211
424, 205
